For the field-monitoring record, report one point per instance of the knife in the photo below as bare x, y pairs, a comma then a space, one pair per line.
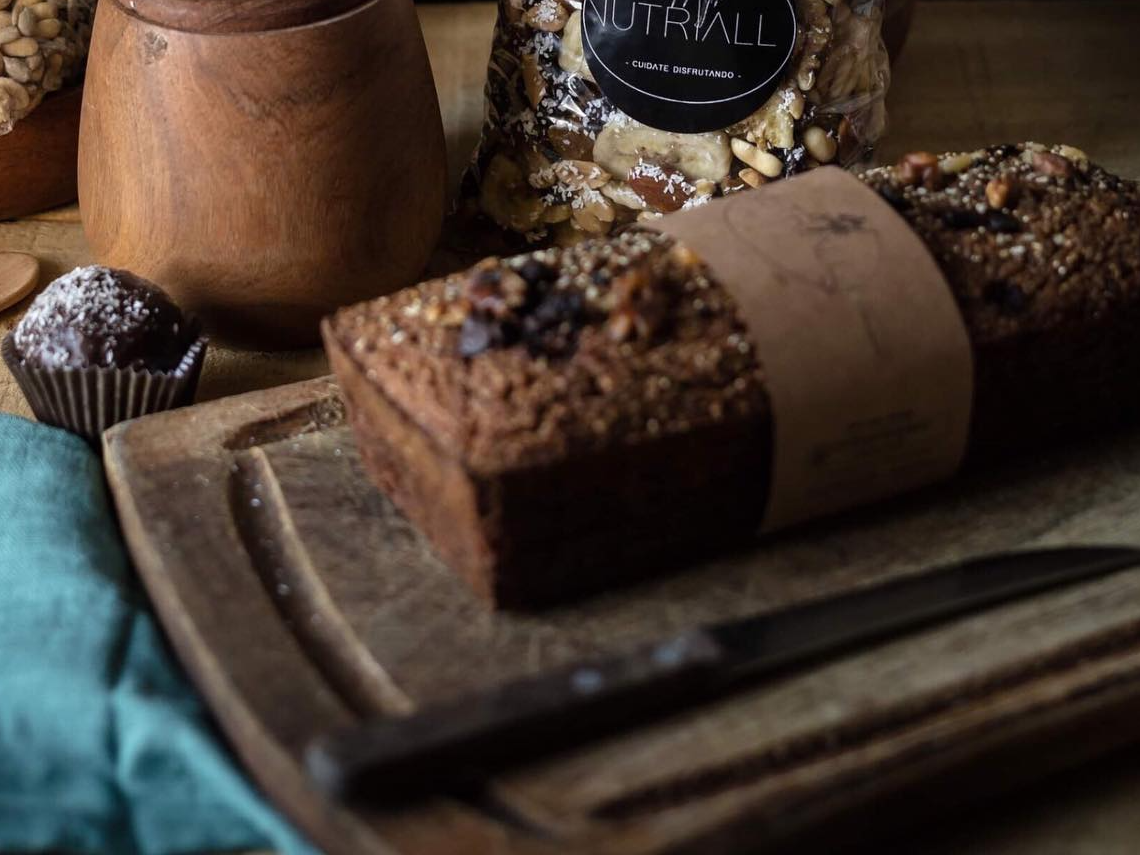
441, 746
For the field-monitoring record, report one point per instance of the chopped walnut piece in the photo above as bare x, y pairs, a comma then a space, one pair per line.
1051, 164
1002, 192
622, 324
550, 16
577, 174
685, 256
920, 167
492, 290
639, 304
533, 82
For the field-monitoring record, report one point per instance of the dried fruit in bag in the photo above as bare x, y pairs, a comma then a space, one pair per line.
674, 102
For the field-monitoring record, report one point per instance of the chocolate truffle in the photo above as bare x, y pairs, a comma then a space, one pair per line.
104, 318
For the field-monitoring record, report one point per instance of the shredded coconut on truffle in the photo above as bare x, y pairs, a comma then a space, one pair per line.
96, 316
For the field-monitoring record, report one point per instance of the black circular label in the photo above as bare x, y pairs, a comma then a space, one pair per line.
688, 65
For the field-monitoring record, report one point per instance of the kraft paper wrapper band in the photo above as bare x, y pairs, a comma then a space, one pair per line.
867, 359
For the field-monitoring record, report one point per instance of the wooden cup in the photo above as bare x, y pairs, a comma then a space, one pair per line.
263, 162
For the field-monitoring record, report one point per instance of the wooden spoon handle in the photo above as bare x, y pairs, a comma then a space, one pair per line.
19, 275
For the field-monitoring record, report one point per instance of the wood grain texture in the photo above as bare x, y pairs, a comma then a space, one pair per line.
298, 703
978, 73
237, 16
286, 172
38, 158
1090, 811
271, 487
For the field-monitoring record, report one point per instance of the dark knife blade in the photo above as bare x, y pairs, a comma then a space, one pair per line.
438, 746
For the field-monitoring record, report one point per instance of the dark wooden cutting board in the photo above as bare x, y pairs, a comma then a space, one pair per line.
299, 599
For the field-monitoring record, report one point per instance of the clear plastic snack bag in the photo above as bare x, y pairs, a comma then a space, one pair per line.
43, 46
600, 113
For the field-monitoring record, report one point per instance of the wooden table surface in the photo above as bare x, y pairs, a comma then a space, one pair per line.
974, 72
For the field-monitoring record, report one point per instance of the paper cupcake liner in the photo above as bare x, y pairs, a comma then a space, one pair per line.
87, 401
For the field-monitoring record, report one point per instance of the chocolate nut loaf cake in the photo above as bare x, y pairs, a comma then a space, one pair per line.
565, 420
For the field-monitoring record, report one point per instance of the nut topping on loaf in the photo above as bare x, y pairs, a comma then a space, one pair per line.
560, 349
530, 302
1028, 237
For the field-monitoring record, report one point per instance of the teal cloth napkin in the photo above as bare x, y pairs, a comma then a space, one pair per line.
104, 746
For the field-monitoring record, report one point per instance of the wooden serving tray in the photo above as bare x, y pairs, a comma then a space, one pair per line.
299, 600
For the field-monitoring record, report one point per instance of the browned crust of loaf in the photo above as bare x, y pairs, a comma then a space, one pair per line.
1031, 238
429, 485
508, 409
655, 510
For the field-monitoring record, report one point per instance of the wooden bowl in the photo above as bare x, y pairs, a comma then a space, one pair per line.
265, 162
37, 159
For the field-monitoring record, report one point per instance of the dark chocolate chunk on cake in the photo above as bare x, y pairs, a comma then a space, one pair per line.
568, 419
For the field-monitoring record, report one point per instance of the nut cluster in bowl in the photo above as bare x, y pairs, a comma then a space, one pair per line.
43, 44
